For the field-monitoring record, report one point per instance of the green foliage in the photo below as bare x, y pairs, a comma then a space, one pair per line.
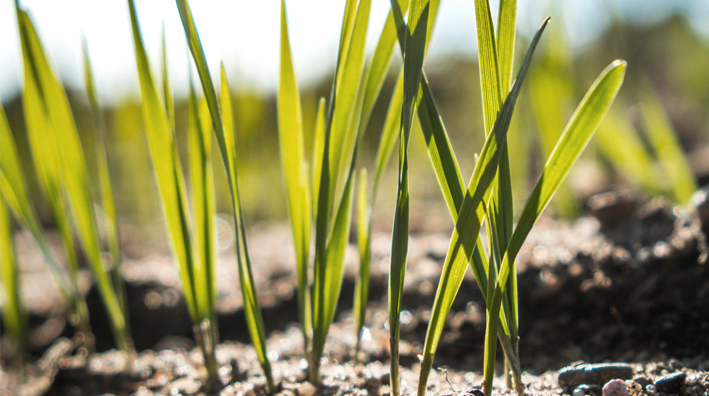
14, 316
468, 224
108, 206
224, 128
667, 148
573, 140
295, 169
59, 160
414, 44
192, 242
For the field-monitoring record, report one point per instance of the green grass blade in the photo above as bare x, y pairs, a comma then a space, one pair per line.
571, 143
364, 233
667, 147
295, 169
377, 69
488, 61
13, 313
318, 152
14, 190
227, 147
166, 89
344, 132
252, 309
550, 92
203, 206
440, 151
506, 29
472, 211
414, 49
52, 102
387, 140
167, 169
619, 142
107, 201
327, 281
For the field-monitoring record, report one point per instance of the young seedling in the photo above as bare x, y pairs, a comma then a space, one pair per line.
108, 206
61, 167
447, 177
14, 191
667, 148
621, 144
222, 121
192, 252
337, 133
414, 44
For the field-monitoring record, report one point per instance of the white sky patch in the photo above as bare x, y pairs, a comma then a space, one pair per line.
245, 36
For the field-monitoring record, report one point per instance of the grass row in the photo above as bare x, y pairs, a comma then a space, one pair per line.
320, 190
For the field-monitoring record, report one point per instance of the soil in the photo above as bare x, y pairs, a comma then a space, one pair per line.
627, 283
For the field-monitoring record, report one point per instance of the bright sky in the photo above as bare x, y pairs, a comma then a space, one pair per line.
245, 35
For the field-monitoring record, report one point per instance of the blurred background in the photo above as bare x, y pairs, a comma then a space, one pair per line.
655, 138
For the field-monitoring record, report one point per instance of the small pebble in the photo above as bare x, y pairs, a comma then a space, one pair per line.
585, 389
306, 389
616, 387
642, 380
671, 383
651, 390
634, 388
593, 374
385, 379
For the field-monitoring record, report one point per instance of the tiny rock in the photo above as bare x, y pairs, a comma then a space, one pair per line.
584, 389
616, 387
593, 374
306, 389
642, 380
670, 383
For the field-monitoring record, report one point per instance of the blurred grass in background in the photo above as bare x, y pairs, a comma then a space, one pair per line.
668, 55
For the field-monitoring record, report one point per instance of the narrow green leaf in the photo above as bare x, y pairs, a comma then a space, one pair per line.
13, 313
318, 152
107, 201
252, 309
488, 61
166, 89
295, 169
203, 206
167, 167
414, 45
364, 231
376, 71
227, 147
549, 94
506, 29
472, 211
619, 142
327, 281
387, 140
51, 105
667, 147
14, 190
578, 133
348, 97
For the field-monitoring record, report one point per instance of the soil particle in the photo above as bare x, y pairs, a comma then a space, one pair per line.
593, 374
616, 387
670, 383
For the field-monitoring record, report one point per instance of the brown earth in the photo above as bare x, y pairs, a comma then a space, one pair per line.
626, 283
